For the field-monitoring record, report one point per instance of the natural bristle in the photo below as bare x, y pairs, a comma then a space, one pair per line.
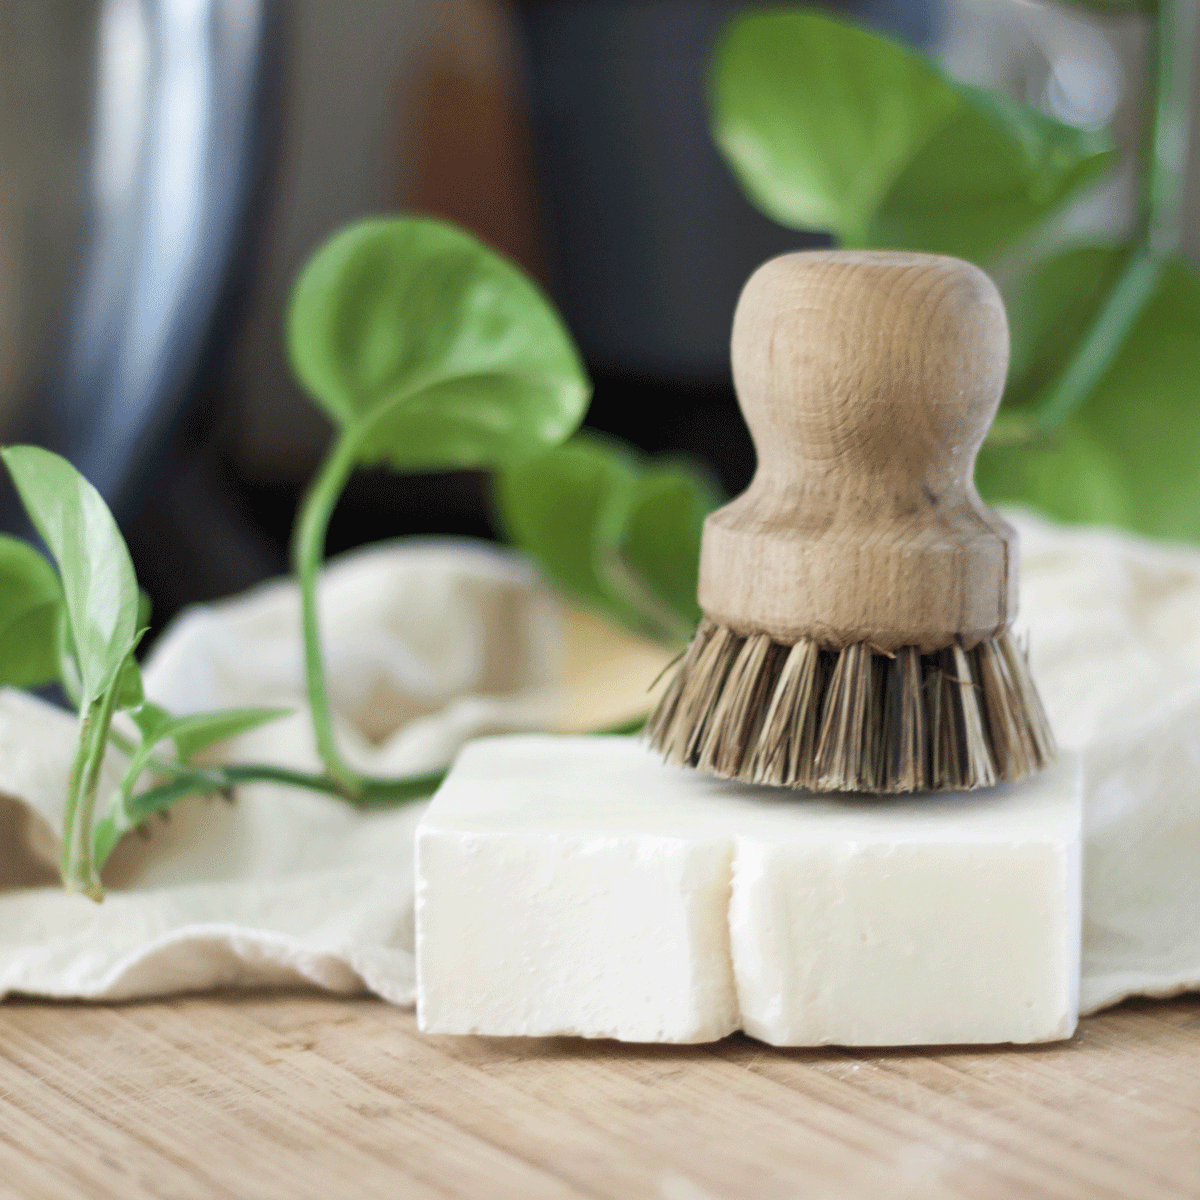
852, 720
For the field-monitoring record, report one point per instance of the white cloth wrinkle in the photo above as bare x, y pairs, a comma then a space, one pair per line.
427, 643
431, 642
1114, 625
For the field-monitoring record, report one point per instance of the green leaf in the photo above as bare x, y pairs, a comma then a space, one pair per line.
98, 582
196, 731
988, 175
565, 507
152, 721
130, 693
617, 532
832, 128
435, 351
817, 118
1130, 455
193, 732
1052, 309
661, 537
30, 603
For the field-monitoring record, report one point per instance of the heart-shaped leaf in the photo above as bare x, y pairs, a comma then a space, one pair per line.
615, 531
434, 350
817, 118
30, 603
828, 127
1130, 454
98, 583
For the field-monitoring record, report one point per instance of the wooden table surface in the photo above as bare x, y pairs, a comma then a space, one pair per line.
296, 1095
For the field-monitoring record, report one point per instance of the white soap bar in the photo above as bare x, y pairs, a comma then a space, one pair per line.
931, 921
576, 885
570, 885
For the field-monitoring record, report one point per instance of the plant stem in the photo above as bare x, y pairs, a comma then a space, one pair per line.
220, 777
308, 551
1156, 239
1102, 342
71, 834
1173, 43
78, 864
374, 794
184, 780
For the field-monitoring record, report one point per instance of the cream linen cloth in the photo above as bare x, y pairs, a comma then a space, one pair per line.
431, 643
427, 644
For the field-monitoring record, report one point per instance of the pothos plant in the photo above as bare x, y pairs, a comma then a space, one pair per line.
429, 352
829, 127
79, 626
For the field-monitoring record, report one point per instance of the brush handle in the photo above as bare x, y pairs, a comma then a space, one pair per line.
868, 380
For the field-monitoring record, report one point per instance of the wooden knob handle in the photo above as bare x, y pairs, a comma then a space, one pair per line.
868, 380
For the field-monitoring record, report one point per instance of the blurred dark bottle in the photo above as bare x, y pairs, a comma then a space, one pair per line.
134, 133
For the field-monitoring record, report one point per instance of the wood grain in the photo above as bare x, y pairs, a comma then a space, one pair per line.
292, 1096
868, 380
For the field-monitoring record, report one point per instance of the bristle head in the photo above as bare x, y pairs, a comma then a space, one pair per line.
852, 720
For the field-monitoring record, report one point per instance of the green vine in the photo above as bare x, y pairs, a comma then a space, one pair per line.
1157, 228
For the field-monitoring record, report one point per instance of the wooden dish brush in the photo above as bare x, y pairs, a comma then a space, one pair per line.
858, 595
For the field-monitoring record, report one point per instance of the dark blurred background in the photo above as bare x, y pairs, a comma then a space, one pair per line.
167, 165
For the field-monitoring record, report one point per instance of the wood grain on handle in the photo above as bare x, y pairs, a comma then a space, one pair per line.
868, 380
